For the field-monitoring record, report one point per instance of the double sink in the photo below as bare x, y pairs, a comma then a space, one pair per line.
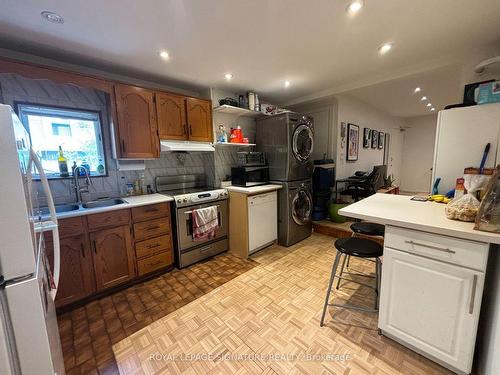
60, 208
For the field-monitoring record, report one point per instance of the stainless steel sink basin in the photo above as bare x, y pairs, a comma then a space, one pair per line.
103, 203
61, 208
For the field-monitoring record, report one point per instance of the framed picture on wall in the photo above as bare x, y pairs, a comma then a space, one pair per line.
352, 142
381, 138
367, 137
374, 139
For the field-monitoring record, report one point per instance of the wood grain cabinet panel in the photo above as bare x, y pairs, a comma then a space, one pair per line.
171, 114
113, 256
151, 228
137, 124
76, 279
108, 219
153, 246
152, 211
199, 119
154, 263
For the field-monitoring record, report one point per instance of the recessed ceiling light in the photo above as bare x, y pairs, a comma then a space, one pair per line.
52, 17
433, 109
429, 105
355, 6
164, 55
228, 76
287, 83
423, 98
384, 48
417, 89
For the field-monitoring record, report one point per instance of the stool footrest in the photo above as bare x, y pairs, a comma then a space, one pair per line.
352, 307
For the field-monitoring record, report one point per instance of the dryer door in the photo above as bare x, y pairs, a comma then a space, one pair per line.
302, 207
302, 143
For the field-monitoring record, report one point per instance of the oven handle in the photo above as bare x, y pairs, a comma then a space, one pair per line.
190, 212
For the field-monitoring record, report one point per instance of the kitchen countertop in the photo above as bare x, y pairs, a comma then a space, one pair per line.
254, 189
401, 211
130, 202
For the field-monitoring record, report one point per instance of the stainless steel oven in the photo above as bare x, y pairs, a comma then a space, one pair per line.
185, 224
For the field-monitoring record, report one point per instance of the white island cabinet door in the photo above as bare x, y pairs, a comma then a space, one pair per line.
431, 306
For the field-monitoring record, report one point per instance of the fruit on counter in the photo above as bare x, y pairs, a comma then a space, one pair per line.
437, 197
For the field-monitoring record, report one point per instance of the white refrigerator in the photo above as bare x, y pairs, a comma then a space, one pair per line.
29, 336
461, 136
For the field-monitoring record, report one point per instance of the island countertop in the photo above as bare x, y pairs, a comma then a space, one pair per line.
401, 211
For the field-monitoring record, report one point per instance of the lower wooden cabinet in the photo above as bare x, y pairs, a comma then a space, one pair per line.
113, 256
76, 280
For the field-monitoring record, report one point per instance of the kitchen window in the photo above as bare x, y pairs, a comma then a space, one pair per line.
78, 133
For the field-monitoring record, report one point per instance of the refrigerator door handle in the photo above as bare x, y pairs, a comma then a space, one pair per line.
52, 226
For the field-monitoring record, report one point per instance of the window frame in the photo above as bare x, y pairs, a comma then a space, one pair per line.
17, 108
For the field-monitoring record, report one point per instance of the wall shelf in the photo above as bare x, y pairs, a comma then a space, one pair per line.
231, 110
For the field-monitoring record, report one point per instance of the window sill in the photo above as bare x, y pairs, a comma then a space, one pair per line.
52, 178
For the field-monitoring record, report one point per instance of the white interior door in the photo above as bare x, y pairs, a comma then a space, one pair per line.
431, 305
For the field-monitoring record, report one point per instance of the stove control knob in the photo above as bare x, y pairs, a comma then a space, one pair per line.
185, 200
179, 201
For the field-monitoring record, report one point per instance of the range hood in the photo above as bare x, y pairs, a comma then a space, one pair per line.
171, 146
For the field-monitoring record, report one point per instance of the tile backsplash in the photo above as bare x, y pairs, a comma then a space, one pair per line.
215, 165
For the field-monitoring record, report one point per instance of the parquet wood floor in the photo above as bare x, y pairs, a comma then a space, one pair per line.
266, 321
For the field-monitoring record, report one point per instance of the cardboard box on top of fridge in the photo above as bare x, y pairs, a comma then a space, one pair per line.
489, 93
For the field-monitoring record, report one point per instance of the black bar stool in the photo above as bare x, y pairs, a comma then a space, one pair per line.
366, 228
357, 247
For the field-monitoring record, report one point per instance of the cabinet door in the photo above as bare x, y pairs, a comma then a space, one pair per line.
199, 119
113, 256
76, 280
432, 306
137, 127
171, 113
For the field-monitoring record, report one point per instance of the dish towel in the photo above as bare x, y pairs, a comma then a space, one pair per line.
205, 223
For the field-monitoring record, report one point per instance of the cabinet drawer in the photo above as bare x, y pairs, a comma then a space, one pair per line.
152, 211
107, 219
151, 228
153, 246
154, 263
72, 226
452, 250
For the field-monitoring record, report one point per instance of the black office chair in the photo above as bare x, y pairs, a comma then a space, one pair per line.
362, 187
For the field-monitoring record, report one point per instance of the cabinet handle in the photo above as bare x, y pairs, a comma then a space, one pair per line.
94, 246
190, 130
151, 210
185, 128
153, 246
152, 227
445, 249
83, 250
123, 145
473, 294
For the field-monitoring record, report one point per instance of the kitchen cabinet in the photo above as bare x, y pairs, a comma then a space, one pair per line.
137, 123
76, 279
114, 259
171, 113
199, 119
431, 294
183, 118
153, 237
253, 221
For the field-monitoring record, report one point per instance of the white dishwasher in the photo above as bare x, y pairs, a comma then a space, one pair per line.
262, 220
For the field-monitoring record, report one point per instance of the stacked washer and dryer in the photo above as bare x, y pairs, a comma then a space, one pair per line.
288, 139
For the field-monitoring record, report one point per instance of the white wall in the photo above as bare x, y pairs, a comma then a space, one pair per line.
352, 110
418, 152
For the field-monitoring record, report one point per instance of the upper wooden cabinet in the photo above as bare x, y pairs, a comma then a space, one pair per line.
183, 118
199, 118
137, 125
113, 256
171, 116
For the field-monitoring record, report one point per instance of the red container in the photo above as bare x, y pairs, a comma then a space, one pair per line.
236, 135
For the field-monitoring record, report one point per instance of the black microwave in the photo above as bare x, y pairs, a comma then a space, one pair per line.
249, 176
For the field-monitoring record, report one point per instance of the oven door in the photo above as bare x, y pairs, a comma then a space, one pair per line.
185, 224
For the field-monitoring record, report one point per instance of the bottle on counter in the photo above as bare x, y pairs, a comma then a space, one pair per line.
63, 164
100, 167
73, 168
85, 165
123, 186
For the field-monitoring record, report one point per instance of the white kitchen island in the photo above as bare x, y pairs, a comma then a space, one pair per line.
433, 274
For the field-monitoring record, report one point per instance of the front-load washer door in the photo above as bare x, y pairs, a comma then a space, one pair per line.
302, 207
302, 143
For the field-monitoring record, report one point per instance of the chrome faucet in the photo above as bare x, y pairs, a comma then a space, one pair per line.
76, 184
